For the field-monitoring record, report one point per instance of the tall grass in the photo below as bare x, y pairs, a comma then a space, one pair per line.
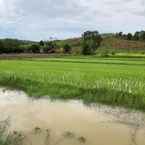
99, 80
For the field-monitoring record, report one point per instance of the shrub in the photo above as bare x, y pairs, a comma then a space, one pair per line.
105, 53
67, 48
1, 47
91, 40
34, 48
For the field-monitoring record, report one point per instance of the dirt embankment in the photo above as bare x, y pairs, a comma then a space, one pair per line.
25, 55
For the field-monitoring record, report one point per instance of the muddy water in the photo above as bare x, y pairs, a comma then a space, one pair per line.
43, 122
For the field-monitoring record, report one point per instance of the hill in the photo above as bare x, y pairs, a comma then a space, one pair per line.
109, 43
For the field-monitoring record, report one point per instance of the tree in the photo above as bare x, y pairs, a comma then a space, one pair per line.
120, 34
136, 36
142, 35
67, 48
1, 47
50, 47
34, 48
86, 49
139, 36
91, 40
124, 36
129, 36
41, 43
11, 45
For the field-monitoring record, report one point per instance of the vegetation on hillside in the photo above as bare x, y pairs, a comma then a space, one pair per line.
90, 43
67, 49
137, 36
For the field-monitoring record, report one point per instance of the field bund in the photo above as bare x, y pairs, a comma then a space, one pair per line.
43, 122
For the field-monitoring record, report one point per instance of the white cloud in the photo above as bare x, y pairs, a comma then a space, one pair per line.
40, 19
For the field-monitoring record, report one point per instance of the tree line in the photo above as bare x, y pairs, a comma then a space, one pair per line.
137, 36
89, 42
18, 46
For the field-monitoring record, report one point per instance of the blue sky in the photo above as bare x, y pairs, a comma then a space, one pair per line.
42, 19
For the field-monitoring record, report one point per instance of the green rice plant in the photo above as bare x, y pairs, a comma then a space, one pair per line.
114, 81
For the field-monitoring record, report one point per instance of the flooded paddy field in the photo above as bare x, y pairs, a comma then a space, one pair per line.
45, 122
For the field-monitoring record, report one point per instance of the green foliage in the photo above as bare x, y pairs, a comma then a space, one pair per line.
14, 46
138, 36
25, 48
105, 53
49, 47
67, 48
91, 40
34, 48
142, 35
115, 81
10, 46
41, 43
1, 47
120, 34
90, 43
85, 49
129, 36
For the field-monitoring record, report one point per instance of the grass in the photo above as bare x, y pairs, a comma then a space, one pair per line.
114, 81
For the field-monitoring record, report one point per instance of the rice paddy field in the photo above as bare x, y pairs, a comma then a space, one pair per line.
112, 81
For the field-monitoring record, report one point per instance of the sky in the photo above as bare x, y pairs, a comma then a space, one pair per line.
60, 19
